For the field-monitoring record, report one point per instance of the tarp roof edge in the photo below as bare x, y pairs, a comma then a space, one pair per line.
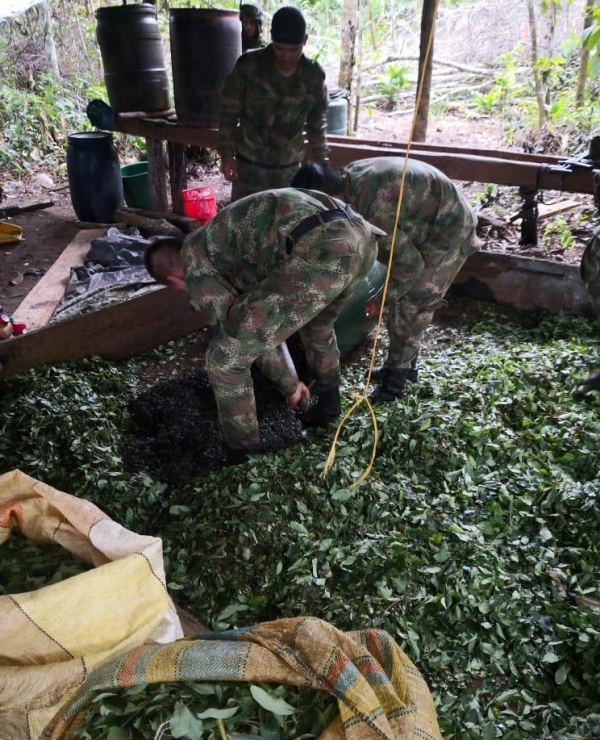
12, 8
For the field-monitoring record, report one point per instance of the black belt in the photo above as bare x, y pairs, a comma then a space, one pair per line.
308, 224
261, 166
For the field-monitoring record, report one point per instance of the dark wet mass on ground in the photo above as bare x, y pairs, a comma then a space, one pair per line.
175, 432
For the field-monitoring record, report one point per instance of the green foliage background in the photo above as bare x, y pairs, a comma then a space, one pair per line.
471, 541
37, 112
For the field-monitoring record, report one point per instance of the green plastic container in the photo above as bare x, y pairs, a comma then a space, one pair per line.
352, 326
135, 185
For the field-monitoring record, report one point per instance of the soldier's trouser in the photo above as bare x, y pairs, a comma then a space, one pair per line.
411, 305
254, 180
590, 271
306, 293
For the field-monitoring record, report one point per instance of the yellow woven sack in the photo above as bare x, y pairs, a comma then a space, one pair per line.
50, 639
10, 233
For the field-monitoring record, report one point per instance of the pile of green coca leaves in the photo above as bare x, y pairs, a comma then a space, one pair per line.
474, 541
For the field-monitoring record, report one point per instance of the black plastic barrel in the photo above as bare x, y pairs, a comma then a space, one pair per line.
337, 113
205, 45
94, 176
134, 67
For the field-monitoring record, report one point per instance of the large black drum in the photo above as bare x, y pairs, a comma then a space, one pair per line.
205, 45
94, 176
134, 68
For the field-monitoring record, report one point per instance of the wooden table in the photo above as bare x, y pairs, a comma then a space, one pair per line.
529, 172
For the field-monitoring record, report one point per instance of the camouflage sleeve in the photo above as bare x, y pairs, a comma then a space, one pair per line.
273, 366
212, 296
232, 101
316, 126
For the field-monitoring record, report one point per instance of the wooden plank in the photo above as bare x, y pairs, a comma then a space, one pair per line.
442, 148
114, 333
480, 169
526, 284
39, 304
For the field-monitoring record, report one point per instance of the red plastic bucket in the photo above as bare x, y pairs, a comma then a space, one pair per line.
199, 203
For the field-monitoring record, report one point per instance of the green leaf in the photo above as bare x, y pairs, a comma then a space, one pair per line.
184, 724
550, 657
271, 703
215, 713
561, 674
117, 733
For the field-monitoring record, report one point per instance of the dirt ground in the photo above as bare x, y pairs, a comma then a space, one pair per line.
47, 232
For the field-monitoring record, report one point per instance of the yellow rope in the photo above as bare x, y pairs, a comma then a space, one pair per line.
362, 397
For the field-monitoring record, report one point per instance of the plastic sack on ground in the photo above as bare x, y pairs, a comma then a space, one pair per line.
10, 233
61, 645
52, 638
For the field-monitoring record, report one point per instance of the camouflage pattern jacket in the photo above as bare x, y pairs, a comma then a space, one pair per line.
434, 215
264, 114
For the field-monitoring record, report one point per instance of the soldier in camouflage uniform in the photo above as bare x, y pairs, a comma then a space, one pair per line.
269, 100
252, 17
590, 274
263, 268
435, 235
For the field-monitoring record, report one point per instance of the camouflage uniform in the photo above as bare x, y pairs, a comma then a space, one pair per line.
256, 13
257, 290
590, 271
273, 112
435, 235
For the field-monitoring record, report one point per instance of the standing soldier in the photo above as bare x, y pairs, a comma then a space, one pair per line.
272, 101
263, 268
435, 235
252, 17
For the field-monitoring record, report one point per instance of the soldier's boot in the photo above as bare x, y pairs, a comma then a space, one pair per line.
327, 409
393, 385
237, 457
412, 376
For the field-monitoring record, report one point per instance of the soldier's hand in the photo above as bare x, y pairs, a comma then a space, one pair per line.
229, 168
300, 398
372, 308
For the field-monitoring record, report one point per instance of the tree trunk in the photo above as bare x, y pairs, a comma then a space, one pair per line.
539, 91
425, 67
353, 115
347, 57
584, 57
49, 45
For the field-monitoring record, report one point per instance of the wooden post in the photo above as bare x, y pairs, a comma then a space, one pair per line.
177, 174
157, 174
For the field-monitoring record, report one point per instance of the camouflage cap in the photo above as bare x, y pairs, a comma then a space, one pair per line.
250, 10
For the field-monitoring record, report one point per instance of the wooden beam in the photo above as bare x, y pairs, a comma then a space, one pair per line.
479, 169
17, 210
39, 304
526, 284
114, 333
443, 148
455, 163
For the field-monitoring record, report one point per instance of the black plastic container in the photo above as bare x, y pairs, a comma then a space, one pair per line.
132, 57
205, 45
94, 176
